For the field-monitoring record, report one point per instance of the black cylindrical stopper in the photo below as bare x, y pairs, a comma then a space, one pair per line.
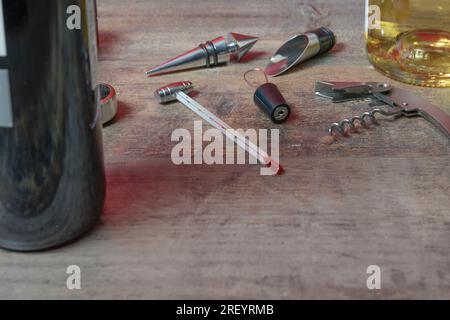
271, 101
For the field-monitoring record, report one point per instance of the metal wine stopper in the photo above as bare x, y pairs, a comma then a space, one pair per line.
208, 54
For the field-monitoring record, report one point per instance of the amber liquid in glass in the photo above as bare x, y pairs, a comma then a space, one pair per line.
409, 40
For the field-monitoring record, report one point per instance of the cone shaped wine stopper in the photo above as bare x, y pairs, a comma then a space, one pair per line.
209, 54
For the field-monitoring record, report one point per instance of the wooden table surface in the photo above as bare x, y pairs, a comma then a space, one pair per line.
380, 197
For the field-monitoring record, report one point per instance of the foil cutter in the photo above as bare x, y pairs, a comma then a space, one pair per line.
108, 103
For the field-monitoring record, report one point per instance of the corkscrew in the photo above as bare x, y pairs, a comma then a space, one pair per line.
399, 103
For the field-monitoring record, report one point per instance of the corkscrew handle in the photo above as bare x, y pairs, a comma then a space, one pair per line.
438, 117
416, 106
401, 102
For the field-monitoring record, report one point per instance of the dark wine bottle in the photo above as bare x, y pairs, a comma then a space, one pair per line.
52, 180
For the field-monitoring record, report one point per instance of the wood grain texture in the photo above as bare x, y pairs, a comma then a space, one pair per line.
380, 197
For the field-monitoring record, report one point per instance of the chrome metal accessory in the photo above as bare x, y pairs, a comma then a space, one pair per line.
180, 90
399, 102
299, 49
108, 103
209, 54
